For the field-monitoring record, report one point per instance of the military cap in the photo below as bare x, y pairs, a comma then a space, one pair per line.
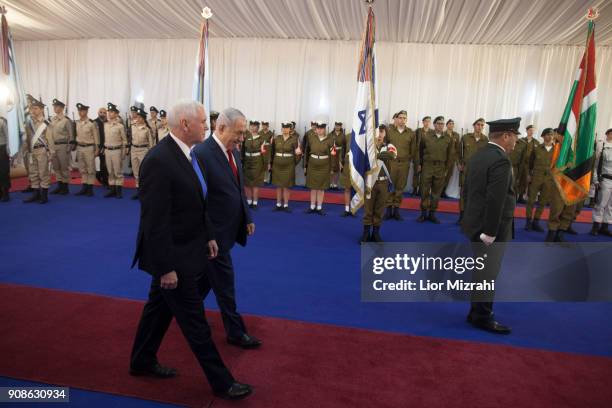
134, 108
292, 124
141, 112
338, 124
546, 131
214, 114
395, 115
608, 131
439, 118
449, 121
162, 113
286, 125
265, 123
35, 102
153, 109
313, 123
505, 125
80, 106
478, 120
530, 127
425, 118
402, 112
321, 125
254, 122
112, 107
57, 102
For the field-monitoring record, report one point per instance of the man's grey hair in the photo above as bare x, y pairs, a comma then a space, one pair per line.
228, 117
183, 109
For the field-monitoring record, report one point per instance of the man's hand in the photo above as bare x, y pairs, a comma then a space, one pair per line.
486, 239
460, 167
213, 249
250, 229
419, 167
169, 281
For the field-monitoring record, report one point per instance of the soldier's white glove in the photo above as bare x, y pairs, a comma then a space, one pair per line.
486, 239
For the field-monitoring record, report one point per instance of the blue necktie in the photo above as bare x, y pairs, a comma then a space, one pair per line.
196, 168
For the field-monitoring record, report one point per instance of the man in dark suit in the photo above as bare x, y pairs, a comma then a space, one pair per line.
230, 216
175, 238
489, 211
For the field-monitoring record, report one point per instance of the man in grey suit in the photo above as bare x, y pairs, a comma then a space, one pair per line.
489, 213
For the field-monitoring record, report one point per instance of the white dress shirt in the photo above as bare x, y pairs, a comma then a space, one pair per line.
184, 148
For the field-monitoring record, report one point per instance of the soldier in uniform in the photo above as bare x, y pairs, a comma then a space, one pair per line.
540, 179
470, 144
62, 131
561, 214
102, 175
154, 123
520, 158
5, 161
268, 136
214, 115
41, 148
435, 157
255, 159
163, 129
404, 140
285, 153
376, 199
115, 150
420, 133
339, 140
456, 138
345, 174
88, 142
317, 157
602, 178
142, 141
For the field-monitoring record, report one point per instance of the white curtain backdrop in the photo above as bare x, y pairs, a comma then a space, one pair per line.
277, 80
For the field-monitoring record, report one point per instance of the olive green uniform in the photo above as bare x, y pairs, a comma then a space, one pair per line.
541, 180
62, 132
522, 184
416, 176
155, 125
345, 174
456, 138
338, 142
317, 161
467, 147
115, 149
284, 161
39, 154
561, 215
142, 141
254, 162
399, 168
375, 205
88, 140
435, 155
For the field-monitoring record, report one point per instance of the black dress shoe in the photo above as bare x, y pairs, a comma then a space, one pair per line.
157, 370
320, 212
489, 325
278, 208
235, 391
287, 209
310, 211
245, 341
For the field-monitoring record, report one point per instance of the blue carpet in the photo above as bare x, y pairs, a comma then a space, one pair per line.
80, 398
297, 266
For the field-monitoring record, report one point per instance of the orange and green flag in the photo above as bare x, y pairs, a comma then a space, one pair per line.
573, 158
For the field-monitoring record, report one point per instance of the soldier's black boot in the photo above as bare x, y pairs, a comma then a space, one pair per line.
376, 235
58, 189
460, 218
604, 230
118, 193
44, 199
396, 214
423, 216
550, 236
4, 194
521, 200
432, 217
65, 190
34, 197
89, 192
388, 213
29, 189
83, 190
595, 229
112, 190
559, 236
535, 225
135, 195
528, 224
365, 236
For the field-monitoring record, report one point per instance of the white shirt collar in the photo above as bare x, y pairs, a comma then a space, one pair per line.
184, 148
493, 143
221, 146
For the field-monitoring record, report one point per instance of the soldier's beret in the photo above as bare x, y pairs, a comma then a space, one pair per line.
546, 131
286, 125
141, 112
313, 123
425, 118
112, 107
478, 120
80, 106
134, 108
449, 121
530, 127
505, 125
214, 114
608, 131
402, 112
265, 123
162, 113
254, 122
57, 102
338, 124
153, 109
439, 118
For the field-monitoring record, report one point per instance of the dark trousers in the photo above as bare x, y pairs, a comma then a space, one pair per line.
5, 168
482, 302
185, 304
102, 175
221, 278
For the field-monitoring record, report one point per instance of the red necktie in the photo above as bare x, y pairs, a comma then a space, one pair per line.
232, 164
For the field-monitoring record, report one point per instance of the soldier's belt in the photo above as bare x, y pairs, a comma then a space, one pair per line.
40, 146
319, 157
284, 154
255, 154
85, 144
143, 145
607, 176
61, 142
113, 147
